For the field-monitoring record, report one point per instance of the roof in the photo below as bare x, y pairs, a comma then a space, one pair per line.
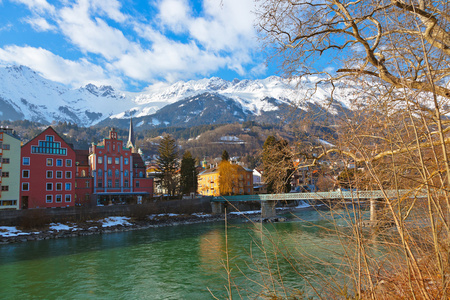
209, 171
137, 159
55, 132
81, 157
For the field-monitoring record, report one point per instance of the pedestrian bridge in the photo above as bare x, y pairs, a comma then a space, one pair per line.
268, 201
347, 195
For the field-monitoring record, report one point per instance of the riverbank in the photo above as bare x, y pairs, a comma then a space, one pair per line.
11, 234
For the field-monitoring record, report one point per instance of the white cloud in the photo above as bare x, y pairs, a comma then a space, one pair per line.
91, 35
6, 27
40, 24
111, 8
175, 14
180, 42
56, 68
37, 6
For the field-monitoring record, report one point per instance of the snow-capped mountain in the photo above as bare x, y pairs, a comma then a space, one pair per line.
24, 94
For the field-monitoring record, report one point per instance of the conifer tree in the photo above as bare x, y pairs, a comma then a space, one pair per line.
168, 165
225, 155
188, 178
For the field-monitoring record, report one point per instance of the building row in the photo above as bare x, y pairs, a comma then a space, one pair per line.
48, 172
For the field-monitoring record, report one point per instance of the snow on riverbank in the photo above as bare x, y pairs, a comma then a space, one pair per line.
10, 231
59, 226
115, 221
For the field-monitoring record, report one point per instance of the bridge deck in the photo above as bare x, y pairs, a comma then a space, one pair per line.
318, 196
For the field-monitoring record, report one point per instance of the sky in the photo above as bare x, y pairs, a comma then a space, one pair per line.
132, 44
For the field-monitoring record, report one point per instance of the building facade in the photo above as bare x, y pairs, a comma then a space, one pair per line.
208, 181
47, 172
10, 149
118, 174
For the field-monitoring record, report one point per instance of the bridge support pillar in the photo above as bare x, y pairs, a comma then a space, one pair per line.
268, 209
217, 208
374, 207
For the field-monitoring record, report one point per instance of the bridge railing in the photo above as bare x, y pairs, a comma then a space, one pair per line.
377, 194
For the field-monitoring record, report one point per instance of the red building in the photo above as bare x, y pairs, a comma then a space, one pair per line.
118, 174
48, 172
83, 179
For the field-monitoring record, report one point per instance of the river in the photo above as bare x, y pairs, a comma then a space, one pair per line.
175, 262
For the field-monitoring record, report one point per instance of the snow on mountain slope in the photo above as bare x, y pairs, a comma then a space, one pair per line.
35, 98
24, 94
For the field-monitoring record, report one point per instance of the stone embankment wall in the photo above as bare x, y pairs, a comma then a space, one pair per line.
188, 206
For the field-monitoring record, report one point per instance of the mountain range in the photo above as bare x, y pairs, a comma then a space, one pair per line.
25, 95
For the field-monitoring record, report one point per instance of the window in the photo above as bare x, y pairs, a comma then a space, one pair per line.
100, 160
83, 173
109, 183
137, 183
59, 186
68, 162
49, 147
6, 174
109, 172
6, 147
87, 183
109, 160
116, 183
49, 186
59, 162
49, 198
5, 160
25, 186
68, 198
59, 174
100, 183
116, 160
68, 186
125, 161
141, 174
100, 173
125, 173
49, 162
49, 174
68, 174
5, 188
125, 184
25, 173
25, 161
117, 174
58, 198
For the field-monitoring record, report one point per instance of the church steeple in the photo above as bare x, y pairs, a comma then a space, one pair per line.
131, 139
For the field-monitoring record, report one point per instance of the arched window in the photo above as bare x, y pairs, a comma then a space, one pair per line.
125, 173
83, 173
140, 174
109, 172
100, 173
116, 173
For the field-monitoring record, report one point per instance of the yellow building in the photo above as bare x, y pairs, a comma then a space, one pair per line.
242, 184
10, 147
208, 182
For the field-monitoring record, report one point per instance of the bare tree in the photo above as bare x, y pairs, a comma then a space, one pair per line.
397, 54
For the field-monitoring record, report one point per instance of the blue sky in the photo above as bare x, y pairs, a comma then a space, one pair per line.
132, 44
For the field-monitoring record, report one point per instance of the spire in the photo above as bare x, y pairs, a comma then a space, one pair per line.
131, 140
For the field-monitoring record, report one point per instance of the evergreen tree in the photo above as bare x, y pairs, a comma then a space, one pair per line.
225, 155
188, 178
168, 164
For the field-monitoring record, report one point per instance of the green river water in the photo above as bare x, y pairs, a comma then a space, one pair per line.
175, 262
